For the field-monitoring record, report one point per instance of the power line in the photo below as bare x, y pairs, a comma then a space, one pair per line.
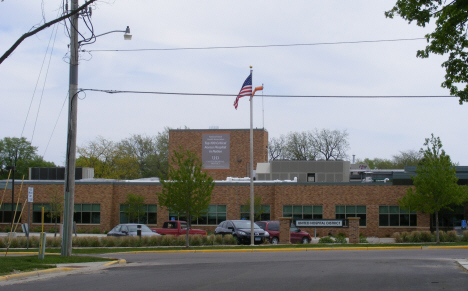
257, 46
271, 96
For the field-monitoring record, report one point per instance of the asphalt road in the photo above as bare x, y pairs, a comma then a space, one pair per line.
312, 270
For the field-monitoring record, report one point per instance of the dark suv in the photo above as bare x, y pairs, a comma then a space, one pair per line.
240, 229
297, 235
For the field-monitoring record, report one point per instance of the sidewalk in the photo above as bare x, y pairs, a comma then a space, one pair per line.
60, 270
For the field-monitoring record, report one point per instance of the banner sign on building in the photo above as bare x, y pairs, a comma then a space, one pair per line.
320, 223
215, 151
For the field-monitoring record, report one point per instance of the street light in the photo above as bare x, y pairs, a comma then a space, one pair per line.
70, 163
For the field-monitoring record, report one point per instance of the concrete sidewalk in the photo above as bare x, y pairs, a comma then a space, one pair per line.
59, 270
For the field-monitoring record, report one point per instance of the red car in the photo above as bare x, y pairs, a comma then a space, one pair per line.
297, 235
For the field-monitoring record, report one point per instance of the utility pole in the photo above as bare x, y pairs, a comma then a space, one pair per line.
69, 195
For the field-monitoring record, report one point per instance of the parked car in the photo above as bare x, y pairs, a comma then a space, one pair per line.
241, 230
297, 235
176, 227
130, 229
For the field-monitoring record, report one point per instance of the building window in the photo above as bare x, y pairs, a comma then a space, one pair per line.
150, 215
215, 215
395, 216
5, 212
300, 212
245, 213
87, 214
37, 213
450, 218
345, 211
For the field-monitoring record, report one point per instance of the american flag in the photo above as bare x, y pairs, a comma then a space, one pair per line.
246, 90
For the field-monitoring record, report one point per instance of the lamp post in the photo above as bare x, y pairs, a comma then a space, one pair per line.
70, 162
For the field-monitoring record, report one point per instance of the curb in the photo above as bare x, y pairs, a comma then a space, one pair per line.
120, 262
34, 273
53, 270
301, 249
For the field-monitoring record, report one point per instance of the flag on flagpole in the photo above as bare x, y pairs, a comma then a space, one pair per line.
246, 90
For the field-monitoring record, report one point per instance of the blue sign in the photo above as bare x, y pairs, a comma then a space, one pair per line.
172, 218
463, 224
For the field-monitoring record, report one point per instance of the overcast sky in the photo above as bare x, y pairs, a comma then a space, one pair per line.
378, 128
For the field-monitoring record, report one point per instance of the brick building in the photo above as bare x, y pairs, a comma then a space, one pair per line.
99, 203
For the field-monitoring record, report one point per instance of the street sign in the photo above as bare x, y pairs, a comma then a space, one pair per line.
320, 223
30, 194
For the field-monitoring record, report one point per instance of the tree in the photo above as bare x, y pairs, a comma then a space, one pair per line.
407, 158
151, 152
55, 206
19, 152
258, 209
399, 161
449, 36
297, 147
435, 183
134, 207
329, 144
276, 148
42, 27
189, 189
106, 159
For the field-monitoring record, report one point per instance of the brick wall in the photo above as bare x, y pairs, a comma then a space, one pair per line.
111, 194
239, 149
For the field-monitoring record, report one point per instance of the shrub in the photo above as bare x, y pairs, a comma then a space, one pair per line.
452, 236
405, 236
109, 241
340, 239
36, 229
426, 236
82, 230
96, 230
465, 236
415, 236
397, 237
326, 240
363, 240
443, 237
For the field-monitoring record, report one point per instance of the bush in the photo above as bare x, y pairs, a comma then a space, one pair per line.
96, 230
426, 236
465, 236
397, 237
340, 239
452, 236
326, 240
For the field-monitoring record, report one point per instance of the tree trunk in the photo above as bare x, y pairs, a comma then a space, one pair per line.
55, 229
437, 227
189, 220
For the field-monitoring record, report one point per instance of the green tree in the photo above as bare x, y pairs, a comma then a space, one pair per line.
134, 207
399, 161
106, 159
19, 151
258, 209
55, 206
188, 191
435, 183
449, 36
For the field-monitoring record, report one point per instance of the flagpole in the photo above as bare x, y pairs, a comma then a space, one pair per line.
252, 235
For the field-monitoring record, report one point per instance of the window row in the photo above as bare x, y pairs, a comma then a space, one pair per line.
392, 216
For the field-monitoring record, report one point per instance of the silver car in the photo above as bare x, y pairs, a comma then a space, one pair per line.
130, 229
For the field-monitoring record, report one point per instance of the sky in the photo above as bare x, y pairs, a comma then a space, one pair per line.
32, 99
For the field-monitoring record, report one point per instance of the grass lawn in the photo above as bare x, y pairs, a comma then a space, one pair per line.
10, 264
92, 251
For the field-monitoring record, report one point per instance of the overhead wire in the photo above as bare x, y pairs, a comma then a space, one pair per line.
56, 122
257, 46
45, 80
37, 82
267, 95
